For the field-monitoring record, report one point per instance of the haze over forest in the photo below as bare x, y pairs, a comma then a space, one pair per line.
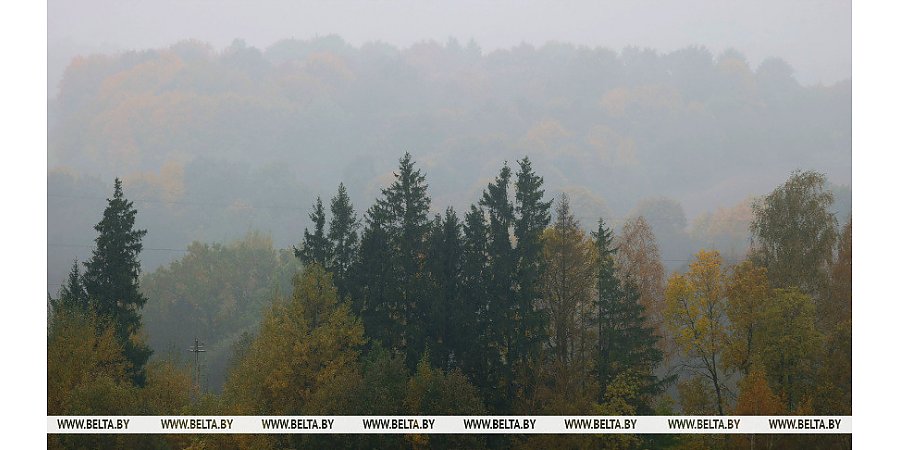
212, 144
531, 194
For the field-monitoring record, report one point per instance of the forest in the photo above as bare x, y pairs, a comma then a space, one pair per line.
518, 303
215, 142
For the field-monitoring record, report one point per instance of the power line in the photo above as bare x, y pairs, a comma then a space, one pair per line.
305, 209
144, 249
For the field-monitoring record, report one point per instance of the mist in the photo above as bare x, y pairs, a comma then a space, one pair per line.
813, 35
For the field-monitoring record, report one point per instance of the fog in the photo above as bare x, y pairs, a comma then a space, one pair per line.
814, 35
667, 122
224, 118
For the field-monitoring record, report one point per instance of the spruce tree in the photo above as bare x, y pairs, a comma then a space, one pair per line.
406, 205
471, 324
315, 248
392, 282
626, 341
443, 313
375, 283
111, 278
533, 217
344, 241
72, 296
499, 310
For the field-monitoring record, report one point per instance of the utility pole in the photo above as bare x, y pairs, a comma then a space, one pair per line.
197, 349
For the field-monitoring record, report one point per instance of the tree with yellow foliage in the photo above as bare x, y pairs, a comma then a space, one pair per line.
696, 315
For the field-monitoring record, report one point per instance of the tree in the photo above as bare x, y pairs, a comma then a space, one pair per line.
344, 241
695, 314
793, 346
473, 319
443, 313
433, 392
638, 257
795, 233
625, 341
72, 296
567, 292
836, 307
315, 248
215, 292
111, 279
405, 204
530, 331
500, 308
81, 350
375, 296
305, 360
757, 399
748, 308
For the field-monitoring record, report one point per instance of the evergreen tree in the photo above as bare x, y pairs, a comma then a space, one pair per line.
375, 284
442, 315
406, 204
499, 310
344, 241
111, 278
394, 286
315, 248
532, 219
72, 296
470, 322
626, 341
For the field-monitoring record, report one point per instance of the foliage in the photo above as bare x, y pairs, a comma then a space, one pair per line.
567, 292
637, 257
695, 313
795, 233
111, 278
215, 293
306, 351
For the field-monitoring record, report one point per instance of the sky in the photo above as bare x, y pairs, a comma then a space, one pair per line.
811, 35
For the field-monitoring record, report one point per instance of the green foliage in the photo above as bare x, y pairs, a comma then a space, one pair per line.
88, 375
792, 346
343, 238
443, 310
432, 392
305, 357
111, 278
215, 293
567, 291
315, 248
393, 284
625, 341
72, 296
795, 233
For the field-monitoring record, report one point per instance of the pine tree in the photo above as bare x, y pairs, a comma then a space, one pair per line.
111, 278
315, 248
344, 241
